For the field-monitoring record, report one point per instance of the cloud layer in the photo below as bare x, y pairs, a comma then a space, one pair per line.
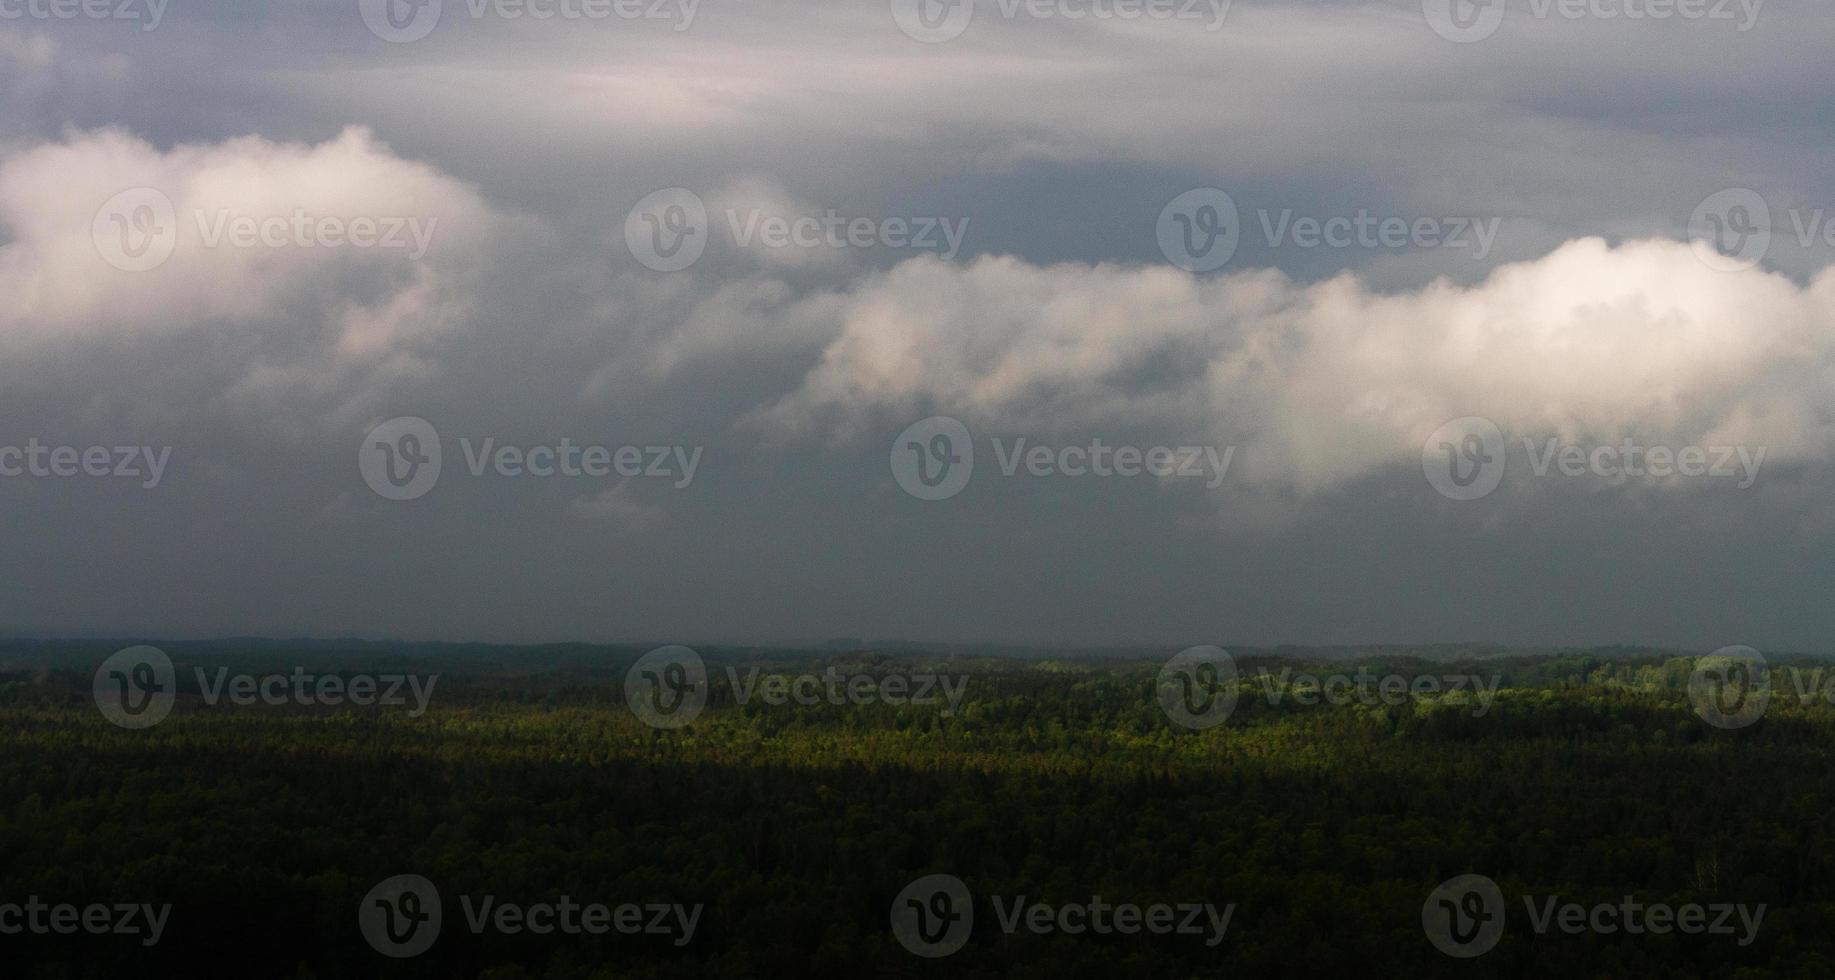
300, 265
521, 145
1324, 384
1319, 384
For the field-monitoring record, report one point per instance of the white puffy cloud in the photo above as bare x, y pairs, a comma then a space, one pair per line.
60, 282
1322, 384
359, 261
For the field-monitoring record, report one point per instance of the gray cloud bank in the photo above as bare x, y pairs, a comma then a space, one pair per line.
262, 364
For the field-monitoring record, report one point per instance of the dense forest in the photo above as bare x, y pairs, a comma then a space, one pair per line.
794, 825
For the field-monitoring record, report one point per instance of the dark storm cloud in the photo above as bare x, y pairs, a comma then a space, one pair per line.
793, 368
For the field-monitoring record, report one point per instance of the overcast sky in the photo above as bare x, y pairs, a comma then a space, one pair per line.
1078, 321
